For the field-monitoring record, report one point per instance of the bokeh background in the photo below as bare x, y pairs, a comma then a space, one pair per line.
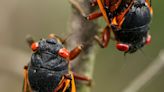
113, 71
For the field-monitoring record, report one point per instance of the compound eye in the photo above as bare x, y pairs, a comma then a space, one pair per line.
35, 46
148, 39
122, 47
63, 53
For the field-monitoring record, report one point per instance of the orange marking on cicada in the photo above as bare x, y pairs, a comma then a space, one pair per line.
149, 6
122, 47
114, 21
148, 39
35, 46
63, 53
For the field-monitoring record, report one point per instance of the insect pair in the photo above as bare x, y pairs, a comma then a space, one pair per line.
49, 69
128, 20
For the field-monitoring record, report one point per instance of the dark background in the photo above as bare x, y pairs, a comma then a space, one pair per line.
113, 71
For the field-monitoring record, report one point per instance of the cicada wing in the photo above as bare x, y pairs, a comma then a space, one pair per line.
26, 84
26, 87
102, 9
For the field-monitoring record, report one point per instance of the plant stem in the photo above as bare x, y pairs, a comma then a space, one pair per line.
83, 33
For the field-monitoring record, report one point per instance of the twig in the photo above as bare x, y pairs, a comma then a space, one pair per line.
84, 32
147, 74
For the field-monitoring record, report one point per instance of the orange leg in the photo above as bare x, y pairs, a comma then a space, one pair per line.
76, 4
94, 15
75, 52
91, 16
104, 40
115, 6
61, 85
82, 78
64, 84
26, 86
63, 52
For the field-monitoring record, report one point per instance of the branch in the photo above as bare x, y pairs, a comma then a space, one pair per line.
83, 32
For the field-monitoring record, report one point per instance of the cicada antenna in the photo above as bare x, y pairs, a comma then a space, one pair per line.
145, 55
29, 40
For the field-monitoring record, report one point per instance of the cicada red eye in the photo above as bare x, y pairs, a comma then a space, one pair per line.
148, 39
63, 53
122, 47
35, 46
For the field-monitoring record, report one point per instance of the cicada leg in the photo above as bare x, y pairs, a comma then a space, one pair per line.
78, 7
104, 40
63, 52
115, 6
26, 85
94, 15
83, 78
66, 82
75, 52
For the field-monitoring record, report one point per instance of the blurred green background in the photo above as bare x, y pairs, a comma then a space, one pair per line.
113, 71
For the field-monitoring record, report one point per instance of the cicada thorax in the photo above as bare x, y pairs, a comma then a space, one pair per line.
133, 31
46, 68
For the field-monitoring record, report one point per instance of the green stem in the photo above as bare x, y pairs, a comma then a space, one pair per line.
83, 32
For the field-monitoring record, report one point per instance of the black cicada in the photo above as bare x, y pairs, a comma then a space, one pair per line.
49, 68
128, 19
